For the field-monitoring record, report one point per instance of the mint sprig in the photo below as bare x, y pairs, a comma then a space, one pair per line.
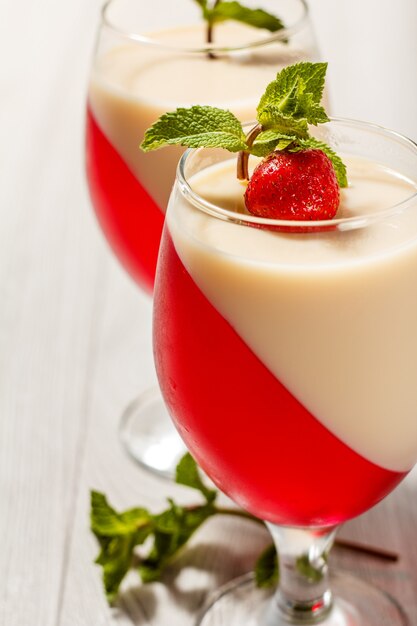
294, 97
258, 18
120, 534
187, 473
290, 105
223, 10
269, 140
117, 534
197, 127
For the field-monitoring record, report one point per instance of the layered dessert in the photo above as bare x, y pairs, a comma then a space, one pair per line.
288, 359
131, 86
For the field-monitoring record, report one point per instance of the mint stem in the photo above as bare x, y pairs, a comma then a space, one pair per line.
243, 157
217, 510
239, 513
211, 55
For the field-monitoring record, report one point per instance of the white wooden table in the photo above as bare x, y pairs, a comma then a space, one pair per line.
75, 347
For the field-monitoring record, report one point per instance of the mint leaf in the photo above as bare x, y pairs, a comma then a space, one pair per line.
294, 95
117, 535
198, 126
187, 474
116, 560
339, 166
270, 140
105, 521
221, 11
289, 105
266, 568
173, 528
258, 18
273, 119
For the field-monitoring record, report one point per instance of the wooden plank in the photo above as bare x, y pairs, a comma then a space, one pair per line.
124, 368
51, 276
391, 525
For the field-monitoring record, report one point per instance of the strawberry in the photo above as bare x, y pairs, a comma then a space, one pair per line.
294, 186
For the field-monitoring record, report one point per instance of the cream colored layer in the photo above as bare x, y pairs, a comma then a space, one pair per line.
332, 316
133, 85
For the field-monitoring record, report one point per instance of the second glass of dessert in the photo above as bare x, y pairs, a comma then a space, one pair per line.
286, 346
150, 58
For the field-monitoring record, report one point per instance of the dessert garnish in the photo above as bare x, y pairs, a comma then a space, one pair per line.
224, 10
300, 176
164, 534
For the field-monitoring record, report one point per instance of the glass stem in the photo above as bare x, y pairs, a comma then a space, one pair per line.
303, 595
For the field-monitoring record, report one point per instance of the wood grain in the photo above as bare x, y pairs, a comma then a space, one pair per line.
74, 350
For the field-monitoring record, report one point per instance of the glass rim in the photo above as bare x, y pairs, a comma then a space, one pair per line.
341, 223
281, 35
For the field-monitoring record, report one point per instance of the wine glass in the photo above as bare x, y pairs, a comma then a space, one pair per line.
151, 58
287, 355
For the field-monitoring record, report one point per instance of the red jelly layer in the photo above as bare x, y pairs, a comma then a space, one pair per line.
129, 217
251, 436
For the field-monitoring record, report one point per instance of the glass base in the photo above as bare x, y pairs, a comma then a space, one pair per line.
148, 435
356, 603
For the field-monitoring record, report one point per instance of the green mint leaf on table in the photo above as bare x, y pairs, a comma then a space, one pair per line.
105, 520
187, 474
117, 535
291, 103
173, 528
199, 126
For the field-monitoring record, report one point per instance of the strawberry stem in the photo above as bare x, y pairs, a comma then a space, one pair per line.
243, 157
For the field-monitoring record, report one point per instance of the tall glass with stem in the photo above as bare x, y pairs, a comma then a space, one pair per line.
152, 57
287, 355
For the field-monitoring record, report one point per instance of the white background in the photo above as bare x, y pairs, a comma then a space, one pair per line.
371, 46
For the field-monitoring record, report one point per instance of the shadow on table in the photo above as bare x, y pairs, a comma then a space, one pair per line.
185, 585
